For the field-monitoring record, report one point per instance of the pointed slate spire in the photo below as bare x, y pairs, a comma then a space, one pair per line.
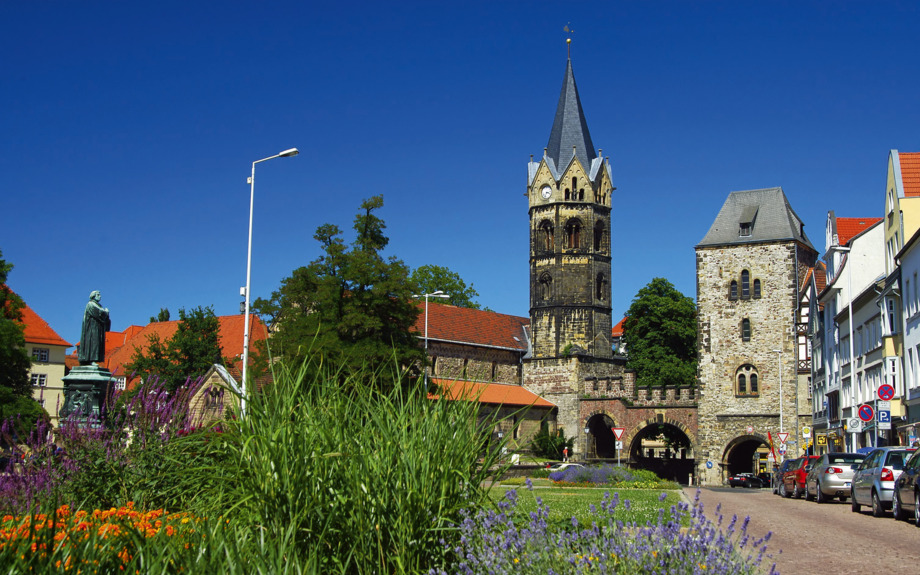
570, 129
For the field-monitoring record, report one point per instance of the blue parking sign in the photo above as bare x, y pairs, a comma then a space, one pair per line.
884, 416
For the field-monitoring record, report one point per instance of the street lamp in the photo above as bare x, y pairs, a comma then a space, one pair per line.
252, 192
439, 294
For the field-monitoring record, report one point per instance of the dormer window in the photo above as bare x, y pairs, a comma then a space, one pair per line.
746, 224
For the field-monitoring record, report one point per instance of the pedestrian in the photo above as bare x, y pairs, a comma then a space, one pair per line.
565, 453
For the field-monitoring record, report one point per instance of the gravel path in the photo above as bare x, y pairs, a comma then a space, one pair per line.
810, 538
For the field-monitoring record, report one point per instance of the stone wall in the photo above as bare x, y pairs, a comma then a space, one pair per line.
474, 363
725, 415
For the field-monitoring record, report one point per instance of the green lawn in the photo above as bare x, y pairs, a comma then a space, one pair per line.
567, 502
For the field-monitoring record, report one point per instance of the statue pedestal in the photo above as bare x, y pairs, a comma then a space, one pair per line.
86, 390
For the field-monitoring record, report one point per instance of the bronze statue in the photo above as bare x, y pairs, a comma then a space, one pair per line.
92, 337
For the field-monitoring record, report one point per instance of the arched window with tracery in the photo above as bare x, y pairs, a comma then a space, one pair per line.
573, 234
600, 237
746, 381
547, 238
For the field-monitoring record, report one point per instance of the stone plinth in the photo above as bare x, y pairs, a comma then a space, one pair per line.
86, 389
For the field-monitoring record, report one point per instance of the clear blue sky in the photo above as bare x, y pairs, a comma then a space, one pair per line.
129, 129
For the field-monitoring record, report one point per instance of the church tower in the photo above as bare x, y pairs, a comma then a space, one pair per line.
568, 193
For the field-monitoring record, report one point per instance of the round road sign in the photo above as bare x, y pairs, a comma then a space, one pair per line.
885, 392
866, 413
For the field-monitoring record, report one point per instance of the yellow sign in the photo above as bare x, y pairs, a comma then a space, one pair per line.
821, 440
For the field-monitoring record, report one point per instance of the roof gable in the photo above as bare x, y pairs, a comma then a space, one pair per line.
848, 228
910, 174
37, 330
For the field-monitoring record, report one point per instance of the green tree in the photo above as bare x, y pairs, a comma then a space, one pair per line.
21, 412
430, 278
14, 360
660, 334
188, 354
162, 316
351, 305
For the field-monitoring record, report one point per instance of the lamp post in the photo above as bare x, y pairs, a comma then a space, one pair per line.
252, 192
439, 294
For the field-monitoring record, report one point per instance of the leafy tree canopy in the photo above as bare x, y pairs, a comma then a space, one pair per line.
351, 305
162, 316
14, 360
20, 412
430, 278
660, 334
187, 355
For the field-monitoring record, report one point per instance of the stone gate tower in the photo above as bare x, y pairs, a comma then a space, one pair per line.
569, 196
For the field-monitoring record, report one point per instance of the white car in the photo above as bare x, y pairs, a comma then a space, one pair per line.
561, 466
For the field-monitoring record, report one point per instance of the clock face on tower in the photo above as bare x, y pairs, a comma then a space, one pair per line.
546, 192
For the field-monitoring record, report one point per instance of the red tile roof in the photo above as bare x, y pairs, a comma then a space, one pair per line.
820, 276
473, 326
618, 328
848, 228
490, 393
38, 331
910, 174
231, 339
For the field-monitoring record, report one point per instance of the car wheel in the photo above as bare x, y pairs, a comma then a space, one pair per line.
917, 509
896, 509
819, 495
783, 491
795, 490
877, 509
854, 506
808, 494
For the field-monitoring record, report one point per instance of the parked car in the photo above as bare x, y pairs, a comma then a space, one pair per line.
766, 479
874, 478
831, 475
744, 480
778, 472
794, 478
907, 490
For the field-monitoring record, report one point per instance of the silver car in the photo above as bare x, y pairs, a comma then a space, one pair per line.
873, 480
831, 475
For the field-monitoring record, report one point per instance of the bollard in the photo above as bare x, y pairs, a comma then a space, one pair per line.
690, 481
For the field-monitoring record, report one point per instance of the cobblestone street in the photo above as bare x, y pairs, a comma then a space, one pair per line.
811, 538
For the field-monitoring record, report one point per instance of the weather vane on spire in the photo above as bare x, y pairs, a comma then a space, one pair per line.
568, 41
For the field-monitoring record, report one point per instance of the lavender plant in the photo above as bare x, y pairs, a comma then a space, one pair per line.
498, 541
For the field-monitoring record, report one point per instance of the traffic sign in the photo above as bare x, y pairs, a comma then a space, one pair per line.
782, 437
866, 413
619, 445
618, 432
882, 406
885, 392
854, 425
750, 429
806, 432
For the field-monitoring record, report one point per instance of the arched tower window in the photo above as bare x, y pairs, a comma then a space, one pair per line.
573, 234
599, 237
756, 289
547, 238
746, 329
733, 290
746, 381
745, 284
546, 285
600, 284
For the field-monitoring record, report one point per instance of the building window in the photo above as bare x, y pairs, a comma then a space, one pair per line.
733, 290
120, 383
746, 381
546, 284
39, 380
601, 285
40, 354
756, 289
573, 235
599, 238
745, 230
745, 284
547, 236
746, 329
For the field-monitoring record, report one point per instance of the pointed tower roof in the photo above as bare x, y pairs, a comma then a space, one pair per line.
570, 129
